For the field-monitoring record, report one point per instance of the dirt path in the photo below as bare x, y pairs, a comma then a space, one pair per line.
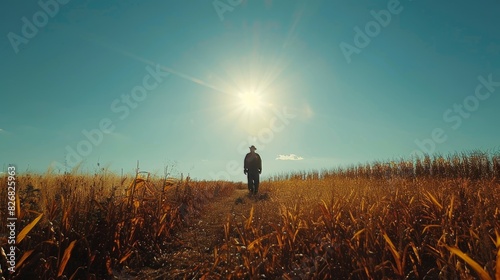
197, 241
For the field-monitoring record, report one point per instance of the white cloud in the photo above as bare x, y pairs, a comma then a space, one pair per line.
289, 157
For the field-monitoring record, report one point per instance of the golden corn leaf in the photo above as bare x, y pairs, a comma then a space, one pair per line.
127, 255
477, 268
326, 212
278, 234
358, 233
23, 258
352, 217
395, 253
251, 245
415, 251
27, 229
428, 227
18, 206
434, 200
249, 220
65, 259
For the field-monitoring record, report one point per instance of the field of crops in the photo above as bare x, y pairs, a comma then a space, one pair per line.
430, 218
347, 229
87, 226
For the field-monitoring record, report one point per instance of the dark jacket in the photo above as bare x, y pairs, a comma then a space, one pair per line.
253, 163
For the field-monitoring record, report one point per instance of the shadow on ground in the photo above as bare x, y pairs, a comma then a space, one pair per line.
251, 197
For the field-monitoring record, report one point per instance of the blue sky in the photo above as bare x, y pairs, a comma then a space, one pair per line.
192, 84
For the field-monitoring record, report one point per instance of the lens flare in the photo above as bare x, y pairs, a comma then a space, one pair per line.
250, 101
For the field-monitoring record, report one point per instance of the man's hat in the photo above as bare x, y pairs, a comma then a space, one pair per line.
252, 147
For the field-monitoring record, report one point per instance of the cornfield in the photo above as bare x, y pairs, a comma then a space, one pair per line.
435, 217
76, 226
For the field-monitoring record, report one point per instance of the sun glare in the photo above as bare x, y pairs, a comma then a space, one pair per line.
250, 101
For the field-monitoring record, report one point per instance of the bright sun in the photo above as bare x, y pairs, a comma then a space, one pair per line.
250, 101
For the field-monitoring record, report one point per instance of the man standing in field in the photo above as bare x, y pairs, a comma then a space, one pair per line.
252, 168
